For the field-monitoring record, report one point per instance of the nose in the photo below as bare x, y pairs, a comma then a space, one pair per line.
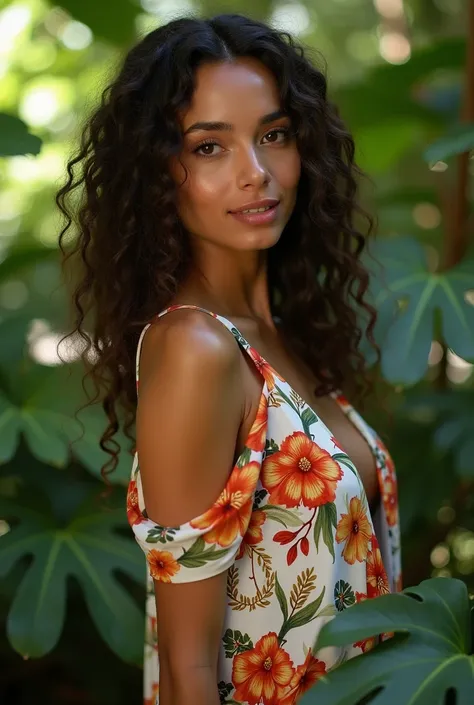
252, 170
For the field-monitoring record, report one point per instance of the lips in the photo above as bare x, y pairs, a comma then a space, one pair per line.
263, 203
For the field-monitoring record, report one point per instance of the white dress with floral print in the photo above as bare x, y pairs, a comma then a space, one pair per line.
293, 529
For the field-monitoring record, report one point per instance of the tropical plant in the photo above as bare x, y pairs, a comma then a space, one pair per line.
429, 660
64, 550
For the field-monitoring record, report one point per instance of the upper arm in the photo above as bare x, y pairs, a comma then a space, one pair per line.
188, 416
189, 411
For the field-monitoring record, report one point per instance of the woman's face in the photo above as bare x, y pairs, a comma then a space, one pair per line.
237, 150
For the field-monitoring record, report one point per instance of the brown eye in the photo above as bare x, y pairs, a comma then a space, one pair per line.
273, 134
208, 147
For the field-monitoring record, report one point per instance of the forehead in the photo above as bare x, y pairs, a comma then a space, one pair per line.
242, 89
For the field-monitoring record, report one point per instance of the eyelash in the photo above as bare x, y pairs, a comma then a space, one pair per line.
284, 130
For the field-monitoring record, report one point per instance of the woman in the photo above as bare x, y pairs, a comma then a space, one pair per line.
219, 245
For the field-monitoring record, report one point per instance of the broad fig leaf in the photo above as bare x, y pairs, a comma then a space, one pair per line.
420, 293
426, 659
15, 138
86, 547
452, 417
43, 410
458, 140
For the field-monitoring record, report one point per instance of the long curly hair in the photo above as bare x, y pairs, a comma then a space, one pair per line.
130, 250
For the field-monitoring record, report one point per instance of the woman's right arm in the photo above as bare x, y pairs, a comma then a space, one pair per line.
189, 411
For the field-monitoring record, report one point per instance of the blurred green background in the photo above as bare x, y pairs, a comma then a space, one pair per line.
402, 73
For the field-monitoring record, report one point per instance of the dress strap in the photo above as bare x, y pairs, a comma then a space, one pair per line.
259, 362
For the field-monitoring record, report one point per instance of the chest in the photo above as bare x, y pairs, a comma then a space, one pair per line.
347, 436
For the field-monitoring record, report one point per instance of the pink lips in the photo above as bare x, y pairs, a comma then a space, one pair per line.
264, 218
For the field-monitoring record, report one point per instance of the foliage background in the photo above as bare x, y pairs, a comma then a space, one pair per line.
72, 577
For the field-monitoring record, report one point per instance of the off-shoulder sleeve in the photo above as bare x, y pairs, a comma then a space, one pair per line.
206, 545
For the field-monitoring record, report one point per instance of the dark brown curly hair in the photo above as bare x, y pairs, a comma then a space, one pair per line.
130, 250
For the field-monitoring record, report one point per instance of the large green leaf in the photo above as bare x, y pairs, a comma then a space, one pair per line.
458, 140
15, 138
405, 275
85, 546
390, 89
42, 407
116, 26
427, 659
451, 412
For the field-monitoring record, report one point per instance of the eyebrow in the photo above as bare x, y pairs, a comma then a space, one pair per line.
227, 126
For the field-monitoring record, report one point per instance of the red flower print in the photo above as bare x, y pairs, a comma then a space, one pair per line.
162, 564
154, 693
285, 537
377, 581
253, 535
300, 471
292, 554
342, 401
305, 676
262, 674
390, 495
337, 444
265, 369
257, 435
134, 514
367, 644
355, 530
231, 513
360, 596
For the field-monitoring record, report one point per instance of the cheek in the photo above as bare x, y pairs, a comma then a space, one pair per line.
288, 170
202, 189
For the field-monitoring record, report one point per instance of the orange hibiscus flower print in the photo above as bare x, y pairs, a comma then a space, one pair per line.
355, 530
265, 369
154, 693
230, 514
253, 535
305, 677
300, 471
390, 496
367, 644
134, 514
262, 674
162, 564
377, 581
257, 435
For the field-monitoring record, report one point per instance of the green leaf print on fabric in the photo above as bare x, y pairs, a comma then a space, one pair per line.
302, 617
343, 595
236, 643
284, 516
161, 534
281, 597
239, 338
300, 613
308, 417
270, 447
225, 689
345, 460
244, 457
198, 555
326, 520
258, 499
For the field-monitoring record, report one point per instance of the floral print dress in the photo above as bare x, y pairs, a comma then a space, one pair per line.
293, 529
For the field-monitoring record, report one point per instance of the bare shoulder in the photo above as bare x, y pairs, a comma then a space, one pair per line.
191, 403
188, 342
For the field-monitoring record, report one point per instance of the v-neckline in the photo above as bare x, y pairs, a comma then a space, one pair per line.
348, 410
